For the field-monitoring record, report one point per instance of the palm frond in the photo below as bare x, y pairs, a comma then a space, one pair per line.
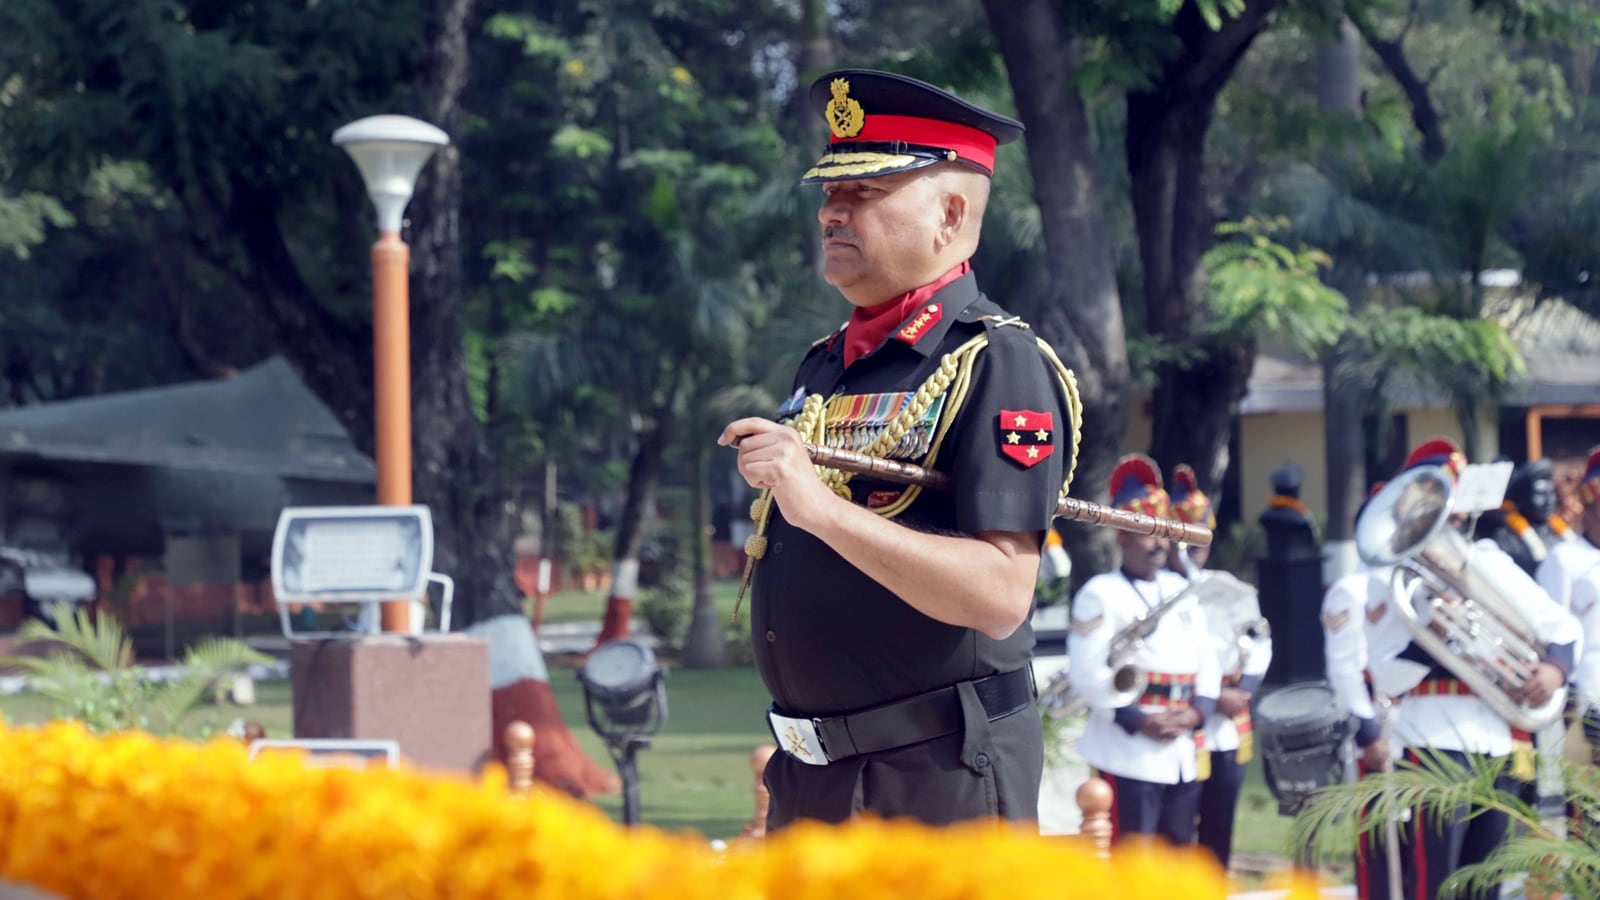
1566, 867
102, 642
1435, 782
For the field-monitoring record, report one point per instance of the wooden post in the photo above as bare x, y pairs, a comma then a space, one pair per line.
519, 757
1094, 801
252, 732
757, 826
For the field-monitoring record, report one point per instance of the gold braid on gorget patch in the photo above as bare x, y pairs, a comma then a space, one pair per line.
954, 375
953, 380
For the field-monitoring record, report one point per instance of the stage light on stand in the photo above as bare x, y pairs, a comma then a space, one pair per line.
625, 699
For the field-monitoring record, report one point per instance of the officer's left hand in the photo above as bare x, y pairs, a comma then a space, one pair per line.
1538, 689
772, 456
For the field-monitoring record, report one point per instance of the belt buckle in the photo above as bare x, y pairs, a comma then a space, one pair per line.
798, 738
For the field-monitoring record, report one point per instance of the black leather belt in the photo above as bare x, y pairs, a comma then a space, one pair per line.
818, 741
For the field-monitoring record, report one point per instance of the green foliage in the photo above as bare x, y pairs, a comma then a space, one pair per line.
665, 610
1437, 348
24, 219
91, 676
1256, 286
1567, 865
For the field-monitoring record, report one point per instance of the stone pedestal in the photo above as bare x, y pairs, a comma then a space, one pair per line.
429, 692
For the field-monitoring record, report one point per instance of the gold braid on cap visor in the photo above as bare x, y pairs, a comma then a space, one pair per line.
835, 164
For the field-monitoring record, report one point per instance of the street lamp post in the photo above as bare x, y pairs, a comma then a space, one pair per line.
390, 151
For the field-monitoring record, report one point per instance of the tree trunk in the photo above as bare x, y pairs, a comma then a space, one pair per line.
455, 472
703, 647
1195, 400
1078, 311
644, 476
1344, 388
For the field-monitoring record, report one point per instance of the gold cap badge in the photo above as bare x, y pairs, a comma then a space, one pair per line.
845, 115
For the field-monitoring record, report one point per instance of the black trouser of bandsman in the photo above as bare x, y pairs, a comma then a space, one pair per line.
1441, 842
1372, 861
1146, 807
1219, 800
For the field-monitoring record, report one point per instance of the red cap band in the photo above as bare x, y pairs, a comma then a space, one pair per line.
969, 144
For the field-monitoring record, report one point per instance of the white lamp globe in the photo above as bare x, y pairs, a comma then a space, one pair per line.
390, 151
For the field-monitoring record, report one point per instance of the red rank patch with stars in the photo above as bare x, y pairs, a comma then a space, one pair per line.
1026, 437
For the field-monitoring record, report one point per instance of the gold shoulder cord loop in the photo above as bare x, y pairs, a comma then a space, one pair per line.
1069, 383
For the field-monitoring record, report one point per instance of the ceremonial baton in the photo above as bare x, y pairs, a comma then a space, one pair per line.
1069, 508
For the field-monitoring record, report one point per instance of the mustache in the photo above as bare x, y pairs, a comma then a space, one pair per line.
841, 233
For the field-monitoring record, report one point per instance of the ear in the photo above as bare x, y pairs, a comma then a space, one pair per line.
953, 217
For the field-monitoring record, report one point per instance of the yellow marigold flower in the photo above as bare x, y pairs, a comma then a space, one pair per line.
574, 67
130, 816
682, 76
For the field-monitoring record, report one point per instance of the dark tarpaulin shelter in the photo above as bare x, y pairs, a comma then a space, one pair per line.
125, 473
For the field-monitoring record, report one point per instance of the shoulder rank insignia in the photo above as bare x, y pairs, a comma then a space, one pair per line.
1336, 621
845, 115
919, 324
1086, 626
1026, 437
1375, 614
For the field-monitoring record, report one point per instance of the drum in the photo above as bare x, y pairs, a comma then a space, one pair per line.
1300, 731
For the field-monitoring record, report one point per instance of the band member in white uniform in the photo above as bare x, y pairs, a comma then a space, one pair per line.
1346, 608
1571, 575
1442, 716
1243, 653
1145, 745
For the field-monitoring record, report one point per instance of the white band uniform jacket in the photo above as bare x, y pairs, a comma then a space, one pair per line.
1571, 576
1350, 603
1180, 645
1222, 733
1463, 723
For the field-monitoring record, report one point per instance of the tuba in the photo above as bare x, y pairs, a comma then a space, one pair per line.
1453, 607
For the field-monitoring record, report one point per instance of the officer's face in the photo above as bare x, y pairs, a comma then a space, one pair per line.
1143, 555
879, 235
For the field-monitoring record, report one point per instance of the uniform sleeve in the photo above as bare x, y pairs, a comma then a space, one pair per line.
1089, 646
1552, 625
1012, 440
1208, 680
1582, 590
1387, 640
1344, 643
1257, 658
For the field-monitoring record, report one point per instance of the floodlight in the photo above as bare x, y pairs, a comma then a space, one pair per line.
352, 554
324, 753
625, 699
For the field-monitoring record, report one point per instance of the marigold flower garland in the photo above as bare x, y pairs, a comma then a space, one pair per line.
132, 816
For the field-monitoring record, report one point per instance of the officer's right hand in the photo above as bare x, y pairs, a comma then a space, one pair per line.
1375, 756
772, 457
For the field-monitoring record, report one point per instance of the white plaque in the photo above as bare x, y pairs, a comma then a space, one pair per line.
1482, 486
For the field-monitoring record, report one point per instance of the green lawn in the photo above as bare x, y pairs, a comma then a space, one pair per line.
578, 606
696, 774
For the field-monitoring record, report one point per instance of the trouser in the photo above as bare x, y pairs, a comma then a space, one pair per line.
1372, 862
1145, 807
1219, 799
1441, 844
